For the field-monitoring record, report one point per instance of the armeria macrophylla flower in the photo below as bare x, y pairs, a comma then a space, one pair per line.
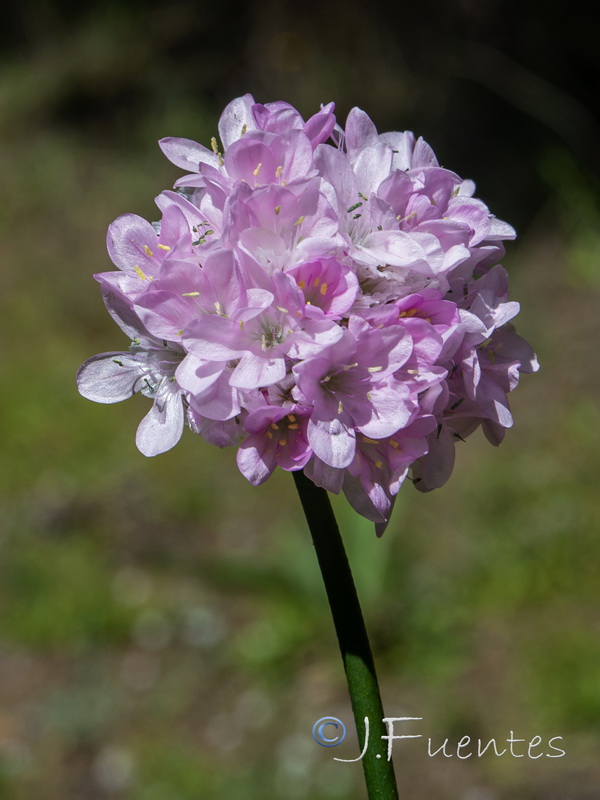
378, 469
148, 367
262, 337
275, 228
277, 144
140, 252
326, 300
350, 387
244, 114
329, 287
186, 291
276, 437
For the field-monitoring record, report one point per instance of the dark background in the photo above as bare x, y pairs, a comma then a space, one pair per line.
163, 631
495, 85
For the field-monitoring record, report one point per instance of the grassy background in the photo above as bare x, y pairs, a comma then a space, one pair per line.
163, 631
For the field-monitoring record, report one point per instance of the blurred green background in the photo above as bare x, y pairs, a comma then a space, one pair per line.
163, 630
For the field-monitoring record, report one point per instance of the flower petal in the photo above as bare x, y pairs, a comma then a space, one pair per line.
187, 154
109, 377
332, 440
161, 428
256, 461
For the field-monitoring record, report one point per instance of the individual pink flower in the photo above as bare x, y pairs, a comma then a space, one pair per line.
262, 336
276, 437
350, 388
147, 367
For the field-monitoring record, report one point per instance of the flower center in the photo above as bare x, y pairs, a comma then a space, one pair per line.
271, 336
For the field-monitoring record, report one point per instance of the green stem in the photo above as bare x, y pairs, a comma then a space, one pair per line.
352, 637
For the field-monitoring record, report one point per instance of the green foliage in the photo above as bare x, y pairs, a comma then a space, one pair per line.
57, 594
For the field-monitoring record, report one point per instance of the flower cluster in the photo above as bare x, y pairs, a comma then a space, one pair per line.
323, 299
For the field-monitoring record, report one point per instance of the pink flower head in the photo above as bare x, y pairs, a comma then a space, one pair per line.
326, 300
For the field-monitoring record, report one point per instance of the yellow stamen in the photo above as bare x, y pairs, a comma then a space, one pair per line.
180, 333
283, 442
301, 284
324, 288
244, 128
274, 426
291, 417
409, 313
164, 247
191, 294
404, 219
257, 170
413, 371
140, 273
369, 441
293, 427
278, 172
269, 434
378, 464
213, 144
148, 252
277, 209
394, 443
316, 281
283, 310
375, 369
299, 221
340, 407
